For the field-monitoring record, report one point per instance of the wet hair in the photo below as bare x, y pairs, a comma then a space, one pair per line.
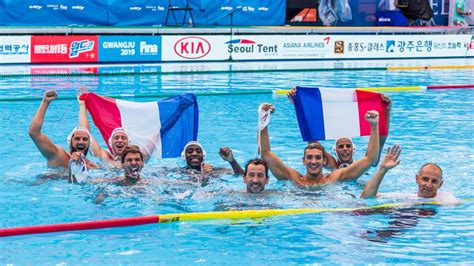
433, 164
256, 161
315, 145
131, 149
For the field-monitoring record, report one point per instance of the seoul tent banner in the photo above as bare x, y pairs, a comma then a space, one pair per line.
129, 48
64, 49
328, 113
15, 49
160, 128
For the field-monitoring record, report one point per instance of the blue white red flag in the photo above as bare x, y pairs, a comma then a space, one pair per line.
326, 113
161, 128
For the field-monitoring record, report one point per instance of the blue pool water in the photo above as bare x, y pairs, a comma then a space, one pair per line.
430, 126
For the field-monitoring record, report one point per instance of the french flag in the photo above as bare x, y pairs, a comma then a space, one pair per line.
327, 113
160, 128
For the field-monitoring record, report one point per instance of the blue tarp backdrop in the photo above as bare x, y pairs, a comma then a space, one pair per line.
139, 12
153, 12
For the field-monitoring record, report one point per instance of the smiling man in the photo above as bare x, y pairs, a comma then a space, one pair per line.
429, 180
256, 175
118, 140
314, 158
345, 148
194, 155
79, 139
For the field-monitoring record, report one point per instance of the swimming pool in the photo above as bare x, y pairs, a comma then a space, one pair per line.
429, 126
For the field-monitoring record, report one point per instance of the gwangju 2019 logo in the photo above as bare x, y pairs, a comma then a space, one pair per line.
241, 46
78, 47
339, 47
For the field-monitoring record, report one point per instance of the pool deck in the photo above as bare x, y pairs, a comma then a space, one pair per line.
283, 30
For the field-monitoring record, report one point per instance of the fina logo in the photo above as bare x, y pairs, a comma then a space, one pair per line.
148, 49
78, 47
382, 19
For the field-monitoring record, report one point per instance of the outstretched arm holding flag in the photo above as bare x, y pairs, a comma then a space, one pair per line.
276, 165
325, 113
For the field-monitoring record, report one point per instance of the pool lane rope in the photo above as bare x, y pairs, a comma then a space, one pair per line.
193, 216
227, 71
451, 86
246, 92
143, 95
401, 88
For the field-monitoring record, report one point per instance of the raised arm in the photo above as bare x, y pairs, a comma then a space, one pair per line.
331, 162
84, 121
356, 169
47, 148
387, 111
389, 161
276, 165
227, 155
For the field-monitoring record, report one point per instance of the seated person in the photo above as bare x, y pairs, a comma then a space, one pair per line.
429, 180
345, 147
314, 158
79, 140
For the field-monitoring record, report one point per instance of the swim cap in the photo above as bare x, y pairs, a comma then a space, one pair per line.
115, 131
350, 139
78, 128
353, 146
192, 142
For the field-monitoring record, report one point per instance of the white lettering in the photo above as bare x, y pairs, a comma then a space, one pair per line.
121, 45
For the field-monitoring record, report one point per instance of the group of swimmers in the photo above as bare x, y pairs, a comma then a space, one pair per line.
131, 158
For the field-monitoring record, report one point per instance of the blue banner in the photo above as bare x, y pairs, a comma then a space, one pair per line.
154, 12
129, 48
53, 13
137, 12
239, 12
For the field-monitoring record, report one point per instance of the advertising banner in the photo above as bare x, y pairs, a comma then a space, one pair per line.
194, 48
249, 47
402, 46
15, 49
129, 48
64, 49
